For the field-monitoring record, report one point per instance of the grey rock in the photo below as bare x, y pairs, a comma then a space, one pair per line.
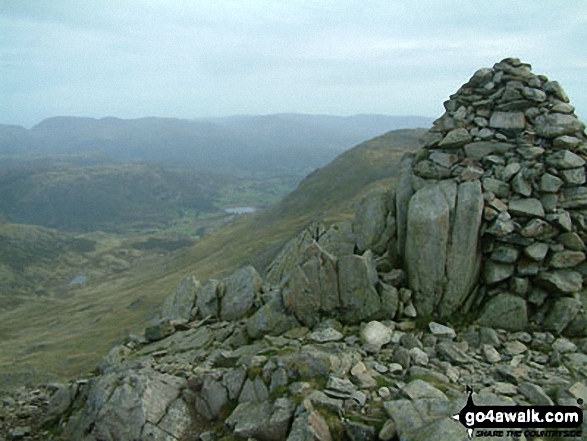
574, 197
451, 352
339, 239
441, 330
480, 149
357, 277
505, 311
262, 421
341, 385
207, 299
491, 355
528, 207
550, 183
376, 335
515, 347
463, 255
309, 426
539, 229
430, 170
311, 287
233, 381
566, 142
535, 95
509, 171
240, 292
508, 120
563, 108
497, 187
370, 222
563, 346
419, 357
578, 326
502, 226
561, 219
440, 430
552, 125
564, 159
177, 420
573, 176
419, 389
455, 138
406, 418
485, 134
320, 399
563, 281
159, 330
505, 254
571, 241
19, 432
549, 201
179, 306
389, 300
427, 242
521, 185
119, 405
566, 259
358, 432
404, 192
535, 394
494, 272
212, 399
444, 159
388, 432
254, 391
326, 335
272, 318
554, 88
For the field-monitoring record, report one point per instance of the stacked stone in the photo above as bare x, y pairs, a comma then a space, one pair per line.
517, 133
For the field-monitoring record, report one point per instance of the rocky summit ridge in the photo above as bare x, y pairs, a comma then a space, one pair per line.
469, 273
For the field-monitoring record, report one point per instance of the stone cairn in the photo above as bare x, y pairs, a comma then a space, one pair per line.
497, 218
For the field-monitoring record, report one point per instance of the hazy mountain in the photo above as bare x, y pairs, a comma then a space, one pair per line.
292, 143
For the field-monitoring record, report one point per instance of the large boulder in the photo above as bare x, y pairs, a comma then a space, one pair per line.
463, 260
310, 289
240, 292
428, 229
132, 404
371, 222
180, 305
357, 278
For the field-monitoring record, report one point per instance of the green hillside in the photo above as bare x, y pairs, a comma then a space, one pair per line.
103, 196
55, 338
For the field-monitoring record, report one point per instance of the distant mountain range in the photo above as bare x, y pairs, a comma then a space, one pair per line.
239, 145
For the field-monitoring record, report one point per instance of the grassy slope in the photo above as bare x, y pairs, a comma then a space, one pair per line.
63, 338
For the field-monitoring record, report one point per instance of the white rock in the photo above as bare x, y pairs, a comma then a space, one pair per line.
376, 334
441, 330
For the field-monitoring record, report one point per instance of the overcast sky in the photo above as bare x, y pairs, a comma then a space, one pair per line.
194, 58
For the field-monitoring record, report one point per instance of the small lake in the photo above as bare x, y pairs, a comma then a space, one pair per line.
79, 280
241, 210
